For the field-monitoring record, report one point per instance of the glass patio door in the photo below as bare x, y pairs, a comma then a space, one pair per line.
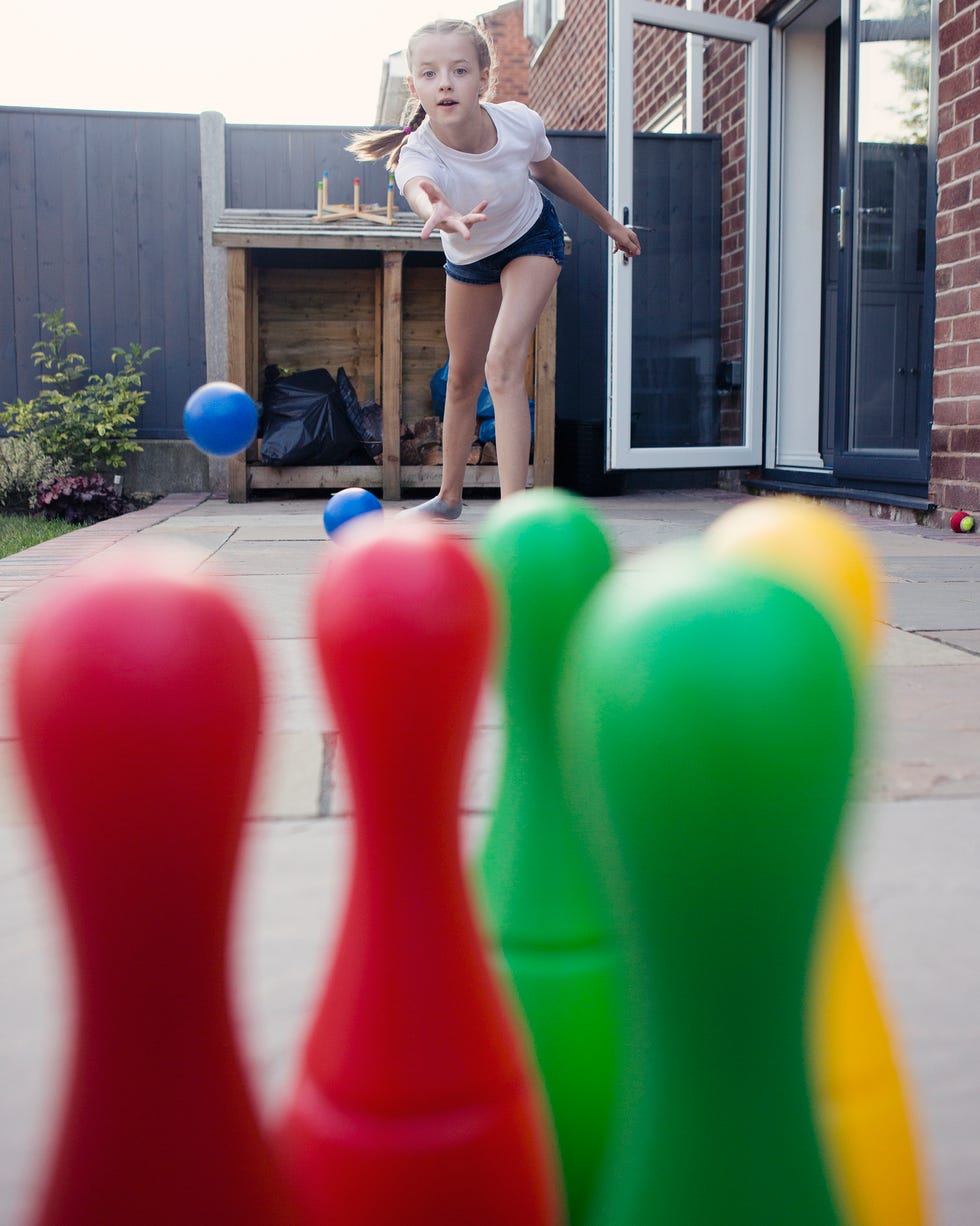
687, 128
883, 217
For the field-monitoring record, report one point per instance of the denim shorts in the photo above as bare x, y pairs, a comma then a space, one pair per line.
545, 237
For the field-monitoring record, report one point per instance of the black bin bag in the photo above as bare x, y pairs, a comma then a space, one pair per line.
303, 421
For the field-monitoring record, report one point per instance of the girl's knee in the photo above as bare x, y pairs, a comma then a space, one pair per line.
504, 370
464, 385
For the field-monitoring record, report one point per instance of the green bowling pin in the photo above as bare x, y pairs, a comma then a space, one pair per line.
707, 725
546, 552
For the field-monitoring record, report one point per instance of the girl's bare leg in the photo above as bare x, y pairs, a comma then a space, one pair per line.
526, 284
471, 312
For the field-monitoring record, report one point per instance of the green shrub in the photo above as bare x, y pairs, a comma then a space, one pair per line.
23, 467
82, 500
85, 419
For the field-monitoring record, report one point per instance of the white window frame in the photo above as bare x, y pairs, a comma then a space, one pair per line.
620, 454
541, 19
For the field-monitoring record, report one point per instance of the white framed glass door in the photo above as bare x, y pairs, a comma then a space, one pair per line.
886, 259
687, 318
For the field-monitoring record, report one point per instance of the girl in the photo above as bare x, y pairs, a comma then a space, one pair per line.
468, 168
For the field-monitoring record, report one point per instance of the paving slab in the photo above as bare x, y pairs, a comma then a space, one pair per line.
943, 649
930, 569
283, 529
921, 720
294, 697
964, 640
268, 557
6, 714
16, 805
197, 545
913, 843
278, 605
36, 1012
903, 540
289, 776
913, 866
17, 605
934, 604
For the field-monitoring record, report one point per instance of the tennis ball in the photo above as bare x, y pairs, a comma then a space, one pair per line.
961, 522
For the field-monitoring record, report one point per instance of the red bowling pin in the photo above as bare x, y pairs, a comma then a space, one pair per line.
414, 1103
137, 698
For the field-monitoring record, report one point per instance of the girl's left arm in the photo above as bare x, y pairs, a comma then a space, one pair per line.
552, 175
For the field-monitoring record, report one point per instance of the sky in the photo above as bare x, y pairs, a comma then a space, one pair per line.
295, 63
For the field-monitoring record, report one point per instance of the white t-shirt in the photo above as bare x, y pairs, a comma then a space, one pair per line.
499, 176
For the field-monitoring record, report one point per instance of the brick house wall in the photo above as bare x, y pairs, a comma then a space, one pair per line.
955, 475
568, 81
724, 112
504, 27
658, 73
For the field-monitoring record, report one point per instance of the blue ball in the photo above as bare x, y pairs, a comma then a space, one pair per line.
220, 419
345, 505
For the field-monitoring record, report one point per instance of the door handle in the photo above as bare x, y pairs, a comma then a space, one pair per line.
839, 209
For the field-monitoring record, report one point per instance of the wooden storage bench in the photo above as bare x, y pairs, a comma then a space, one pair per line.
367, 297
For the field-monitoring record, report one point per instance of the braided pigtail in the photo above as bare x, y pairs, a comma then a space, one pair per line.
369, 146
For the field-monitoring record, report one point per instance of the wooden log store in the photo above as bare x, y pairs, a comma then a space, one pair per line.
368, 297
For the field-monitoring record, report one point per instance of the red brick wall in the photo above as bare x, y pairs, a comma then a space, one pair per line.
955, 481
512, 52
658, 72
568, 81
724, 112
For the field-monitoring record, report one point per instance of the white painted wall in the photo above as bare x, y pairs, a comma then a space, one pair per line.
801, 203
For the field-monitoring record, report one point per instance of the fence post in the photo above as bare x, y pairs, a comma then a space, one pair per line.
212, 129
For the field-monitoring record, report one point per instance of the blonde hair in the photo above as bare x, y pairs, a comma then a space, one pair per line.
369, 146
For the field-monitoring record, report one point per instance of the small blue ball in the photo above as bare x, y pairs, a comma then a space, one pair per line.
345, 505
220, 419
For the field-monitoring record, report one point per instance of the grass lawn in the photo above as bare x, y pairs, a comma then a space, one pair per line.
19, 532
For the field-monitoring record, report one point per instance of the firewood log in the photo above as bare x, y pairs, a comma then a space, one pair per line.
427, 430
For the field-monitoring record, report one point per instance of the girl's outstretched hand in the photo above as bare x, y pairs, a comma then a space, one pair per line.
444, 217
624, 240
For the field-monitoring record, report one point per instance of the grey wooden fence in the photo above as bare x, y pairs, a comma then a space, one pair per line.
277, 167
101, 214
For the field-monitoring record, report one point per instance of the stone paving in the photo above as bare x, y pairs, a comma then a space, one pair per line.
913, 848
